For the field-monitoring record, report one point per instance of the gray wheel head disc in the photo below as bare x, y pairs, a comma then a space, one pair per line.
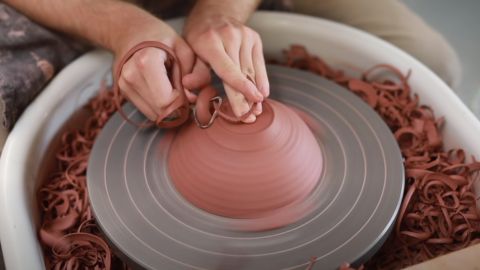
357, 198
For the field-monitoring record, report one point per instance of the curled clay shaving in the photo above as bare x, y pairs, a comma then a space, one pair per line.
438, 214
68, 231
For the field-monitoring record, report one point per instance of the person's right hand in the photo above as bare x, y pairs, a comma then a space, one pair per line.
144, 79
235, 53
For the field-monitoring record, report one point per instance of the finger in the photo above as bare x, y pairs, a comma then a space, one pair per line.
246, 63
176, 73
187, 60
246, 55
199, 77
240, 106
130, 83
159, 93
261, 77
257, 110
238, 102
228, 71
132, 76
137, 100
186, 57
232, 42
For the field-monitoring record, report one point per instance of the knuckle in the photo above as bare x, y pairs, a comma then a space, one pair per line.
123, 85
158, 54
255, 35
128, 74
141, 59
210, 35
230, 32
249, 32
244, 85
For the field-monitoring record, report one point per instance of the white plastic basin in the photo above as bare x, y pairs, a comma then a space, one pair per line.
338, 44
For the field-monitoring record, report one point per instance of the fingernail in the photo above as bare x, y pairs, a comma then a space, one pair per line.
259, 95
250, 119
258, 109
265, 90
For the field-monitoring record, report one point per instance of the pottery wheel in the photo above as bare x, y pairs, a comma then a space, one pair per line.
355, 201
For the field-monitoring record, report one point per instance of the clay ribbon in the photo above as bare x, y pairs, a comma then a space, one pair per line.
178, 111
68, 232
438, 213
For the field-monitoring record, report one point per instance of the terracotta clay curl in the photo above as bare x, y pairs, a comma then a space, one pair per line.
439, 212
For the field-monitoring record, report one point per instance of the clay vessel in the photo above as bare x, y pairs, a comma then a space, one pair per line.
246, 170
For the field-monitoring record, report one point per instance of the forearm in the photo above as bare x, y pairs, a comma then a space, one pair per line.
239, 10
107, 23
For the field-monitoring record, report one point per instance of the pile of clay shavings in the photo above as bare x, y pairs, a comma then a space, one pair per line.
68, 232
438, 214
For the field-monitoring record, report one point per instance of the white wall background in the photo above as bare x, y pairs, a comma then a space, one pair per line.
459, 22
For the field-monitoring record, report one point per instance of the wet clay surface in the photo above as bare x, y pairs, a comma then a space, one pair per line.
246, 170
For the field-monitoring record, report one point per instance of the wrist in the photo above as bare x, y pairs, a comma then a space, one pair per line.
208, 13
200, 25
140, 27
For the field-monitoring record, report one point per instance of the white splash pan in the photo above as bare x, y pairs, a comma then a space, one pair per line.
72, 88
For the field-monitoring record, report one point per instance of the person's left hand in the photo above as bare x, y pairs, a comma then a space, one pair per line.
234, 51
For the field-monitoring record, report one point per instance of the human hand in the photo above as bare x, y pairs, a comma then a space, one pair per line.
235, 53
144, 78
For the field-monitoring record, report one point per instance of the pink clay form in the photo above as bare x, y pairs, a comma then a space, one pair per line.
247, 171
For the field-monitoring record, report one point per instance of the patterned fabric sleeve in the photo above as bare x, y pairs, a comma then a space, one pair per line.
30, 55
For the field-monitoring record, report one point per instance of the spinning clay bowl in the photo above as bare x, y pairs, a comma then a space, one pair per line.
247, 170
319, 174
338, 229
